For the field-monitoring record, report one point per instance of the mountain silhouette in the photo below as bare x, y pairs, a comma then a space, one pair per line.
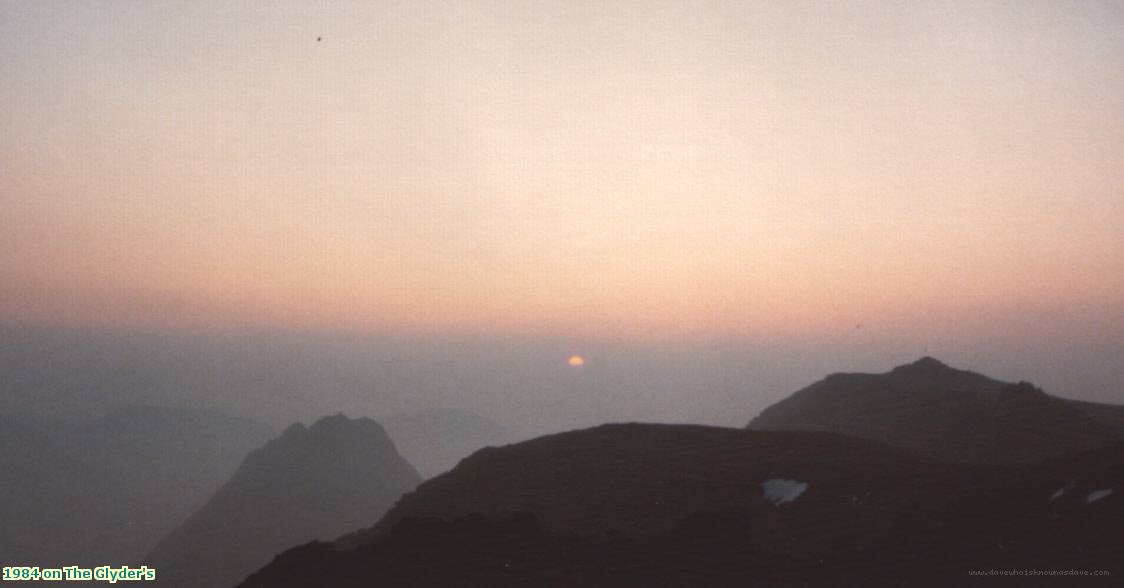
947, 413
639, 477
679, 505
435, 440
106, 490
310, 483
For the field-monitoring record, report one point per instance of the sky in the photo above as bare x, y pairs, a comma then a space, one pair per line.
888, 178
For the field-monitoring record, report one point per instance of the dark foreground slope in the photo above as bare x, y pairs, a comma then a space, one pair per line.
949, 414
661, 505
310, 483
640, 478
106, 490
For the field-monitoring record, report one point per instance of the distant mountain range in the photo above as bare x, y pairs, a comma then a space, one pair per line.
105, 490
109, 489
950, 414
912, 477
668, 505
435, 440
311, 483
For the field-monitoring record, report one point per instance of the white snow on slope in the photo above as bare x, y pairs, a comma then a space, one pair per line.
1097, 495
780, 491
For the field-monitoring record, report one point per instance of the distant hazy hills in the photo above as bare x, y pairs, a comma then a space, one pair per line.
310, 483
666, 505
950, 414
105, 490
108, 490
435, 440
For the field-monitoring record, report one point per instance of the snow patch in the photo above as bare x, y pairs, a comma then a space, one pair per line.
1097, 495
780, 491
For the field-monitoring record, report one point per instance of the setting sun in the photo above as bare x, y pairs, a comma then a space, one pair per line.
576, 361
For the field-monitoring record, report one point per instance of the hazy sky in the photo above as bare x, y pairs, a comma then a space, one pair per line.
931, 172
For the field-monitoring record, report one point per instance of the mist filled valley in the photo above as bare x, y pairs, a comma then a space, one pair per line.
520, 382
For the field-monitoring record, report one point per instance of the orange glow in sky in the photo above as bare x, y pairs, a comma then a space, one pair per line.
636, 169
